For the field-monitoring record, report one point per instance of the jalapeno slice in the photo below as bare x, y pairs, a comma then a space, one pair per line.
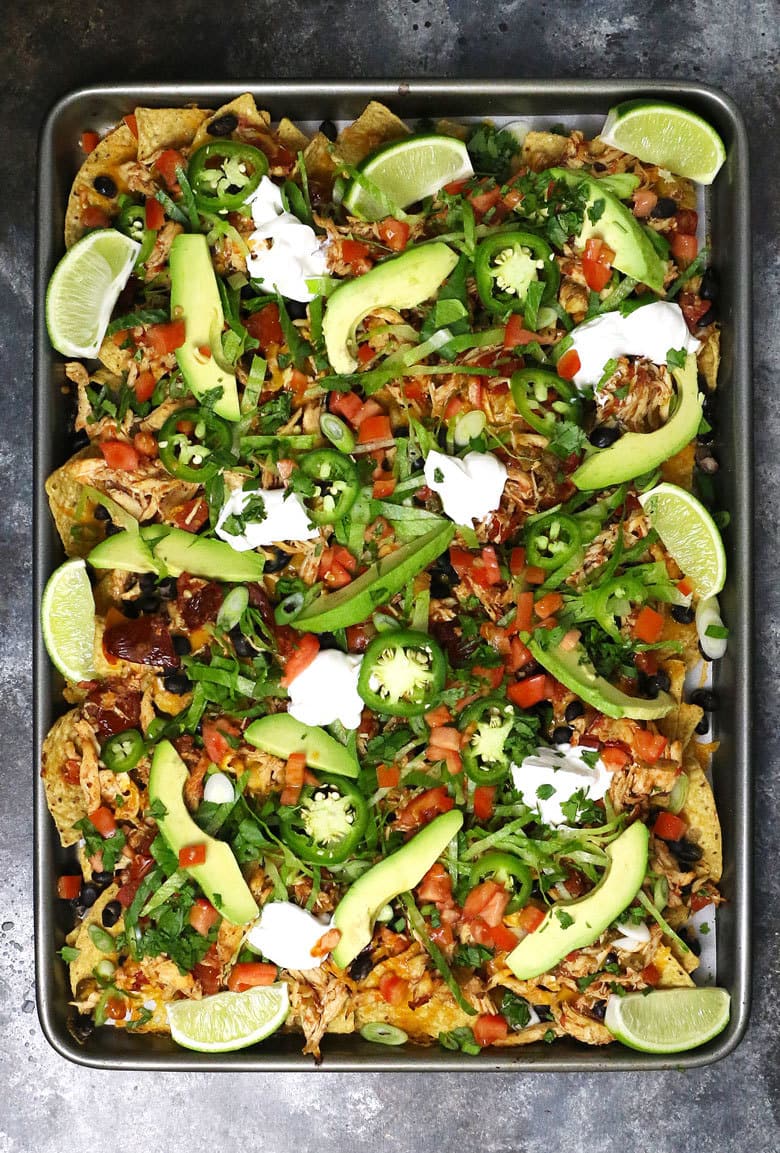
336, 484
507, 264
552, 540
132, 221
485, 760
614, 599
402, 673
123, 751
223, 173
507, 870
328, 822
194, 444
542, 398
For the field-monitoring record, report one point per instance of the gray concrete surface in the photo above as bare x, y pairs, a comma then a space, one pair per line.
47, 49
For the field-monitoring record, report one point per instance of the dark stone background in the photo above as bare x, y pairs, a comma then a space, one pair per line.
48, 49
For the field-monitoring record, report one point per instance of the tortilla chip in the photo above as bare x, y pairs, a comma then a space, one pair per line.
117, 360
687, 960
680, 724
673, 974
291, 137
320, 165
116, 149
708, 359
702, 817
64, 492
376, 125
89, 954
678, 469
161, 128
543, 150
684, 635
453, 128
244, 108
423, 1022
64, 798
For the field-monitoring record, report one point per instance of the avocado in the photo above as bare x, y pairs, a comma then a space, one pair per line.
617, 226
403, 282
574, 669
182, 551
126, 551
219, 876
195, 299
402, 870
281, 735
571, 925
636, 453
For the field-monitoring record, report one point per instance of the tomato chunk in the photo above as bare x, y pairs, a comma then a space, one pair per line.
530, 918
202, 916
394, 233
191, 855
387, 776
669, 827
484, 797
249, 974
648, 626
119, 455
528, 692
569, 364
489, 1028
68, 888
305, 652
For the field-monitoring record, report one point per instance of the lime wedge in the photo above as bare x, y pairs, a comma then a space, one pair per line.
228, 1021
690, 534
68, 620
84, 288
405, 171
667, 1020
666, 135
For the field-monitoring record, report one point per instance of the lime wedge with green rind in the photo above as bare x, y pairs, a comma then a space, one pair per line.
225, 1022
68, 621
84, 288
666, 135
668, 1020
689, 534
405, 171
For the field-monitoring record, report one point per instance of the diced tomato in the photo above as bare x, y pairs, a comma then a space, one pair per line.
388, 776
615, 757
649, 746
192, 855
345, 404
484, 199
394, 233
503, 938
549, 604
524, 617
383, 488
669, 827
569, 364
490, 566
423, 808
356, 254
445, 738
530, 918
517, 561
487, 900
365, 353
645, 201
519, 656
484, 798
249, 974
489, 1028
192, 515
132, 124
119, 455
436, 885
597, 264
154, 214
493, 676
528, 692
442, 935
700, 900
455, 187
414, 390
648, 626
684, 587
513, 197
116, 1008
141, 864
453, 761
516, 334
326, 944
68, 888
651, 975
684, 247
103, 820
647, 663
89, 142
162, 339
167, 163
439, 716
455, 405
94, 217
307, 649
693, 309
207, 972
687, 220
393, 989
202, 916
535, 575
300, 384
265, 326
144, 386
375, 428
215, 734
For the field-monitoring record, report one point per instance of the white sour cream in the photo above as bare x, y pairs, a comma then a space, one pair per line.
218, 789
634, 937
326, 691
283, 251
286, 934
470, 488
564, 769
285, 519
649, 331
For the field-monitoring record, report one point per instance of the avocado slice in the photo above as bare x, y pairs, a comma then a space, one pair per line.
126, 551
195, 299
617, 226
182, 551
357, 910
574, 669
403, 282
573, 925
281, 735
636, 453
219, 876
375, 586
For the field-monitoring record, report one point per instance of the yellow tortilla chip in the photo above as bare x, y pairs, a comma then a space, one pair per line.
702, 817
291, 137
543, 150
376, 125
64, 798
320, 165
64, 492
114, 150
678, 469
708, 359
673, 975
244, 108
680, 724
686, 636
453, 128
117, 360
89, 954
161, 128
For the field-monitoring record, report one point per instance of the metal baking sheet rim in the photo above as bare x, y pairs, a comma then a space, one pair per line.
729, 214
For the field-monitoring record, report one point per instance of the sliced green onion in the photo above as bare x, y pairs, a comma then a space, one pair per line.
383, 1034
233, 607
101, 939
660, 892
468, 427
253, 386
337, 432
166, 890
105, 969
679, 793
288, 609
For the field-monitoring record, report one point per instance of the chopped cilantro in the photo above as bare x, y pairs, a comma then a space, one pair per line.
564, 919
492, 150
516, 1010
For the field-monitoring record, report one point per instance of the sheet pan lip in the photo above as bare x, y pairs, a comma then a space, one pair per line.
508, 1061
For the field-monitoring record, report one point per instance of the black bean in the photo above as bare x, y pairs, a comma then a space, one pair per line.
604, 435
103, 878
665, 208
111, 914
277, 561
362, 965
181, 645
691, 940
709, 285
240, 643
561, 734
708, 406
150, 603
105, 186
598, 1010
296, 309
574, 709
81, 1027
706, 318
329, 129
89, 894
651, 686
112, 529
79, 440
662, 680
704, 656
599, 167
79, 909
166, 589
147, 582
683, 614
443, 577
223, 125
177, 683
703, 726
101, 513
706, 699
131, 609
543, 1012
686, 852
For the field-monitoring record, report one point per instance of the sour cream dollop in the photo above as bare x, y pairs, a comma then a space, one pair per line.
649, 331
286, 934
218, 789
283, 251
563, 769
286, 519
326, 691
470, 488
